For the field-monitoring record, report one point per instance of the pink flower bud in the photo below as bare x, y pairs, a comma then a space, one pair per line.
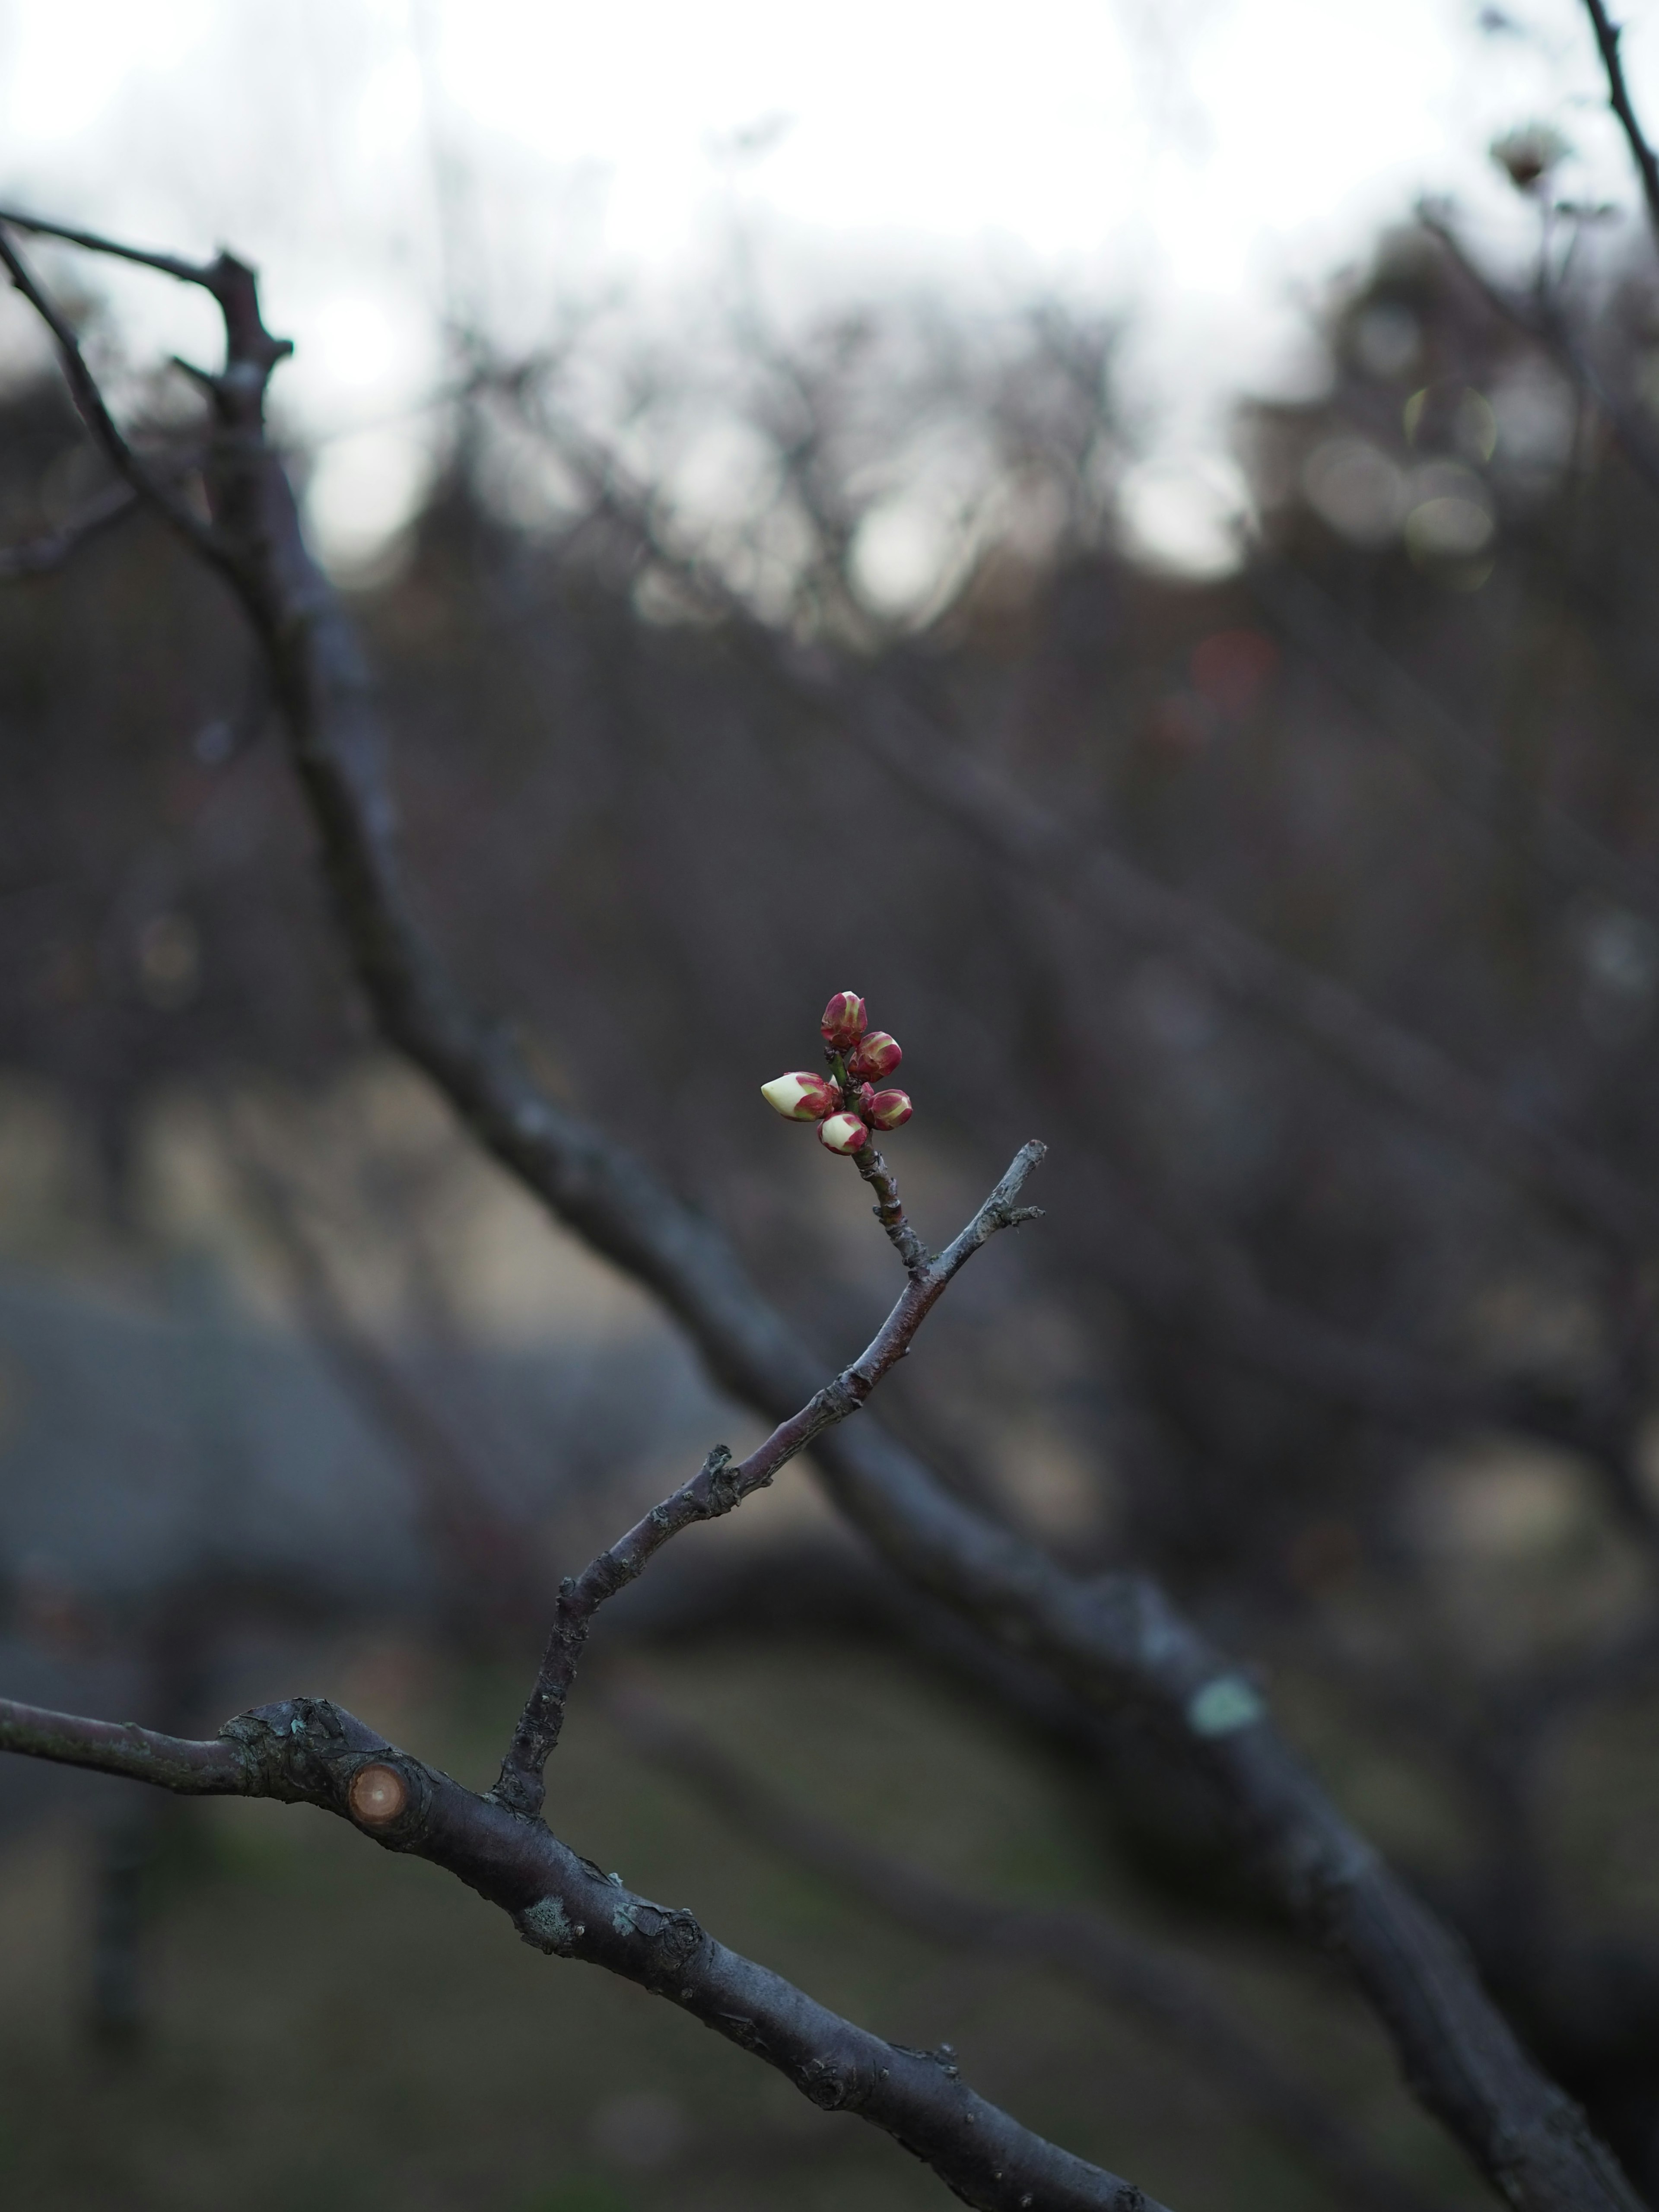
877, 1055
800, 1098
843, 1133
890, 1109
843, 1022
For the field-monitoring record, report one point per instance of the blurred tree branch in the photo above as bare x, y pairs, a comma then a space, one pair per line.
1130, 1973
1542, 317
1608, 36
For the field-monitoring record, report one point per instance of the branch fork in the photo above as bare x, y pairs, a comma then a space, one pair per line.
720, 1484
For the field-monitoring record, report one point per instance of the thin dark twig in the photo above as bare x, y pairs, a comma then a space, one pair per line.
1608, 36
719, 1484
170, 264
889, 1210
89, 400
171, 1762
1125, 1972
307, 1750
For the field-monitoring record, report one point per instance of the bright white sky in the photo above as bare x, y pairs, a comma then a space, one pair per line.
1208, 162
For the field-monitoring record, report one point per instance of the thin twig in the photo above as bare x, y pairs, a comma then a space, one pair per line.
1608, 36
889, 1210
89, 400
719, 1484
170, 264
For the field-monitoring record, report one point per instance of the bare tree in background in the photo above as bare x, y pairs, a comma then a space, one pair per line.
1307, 1311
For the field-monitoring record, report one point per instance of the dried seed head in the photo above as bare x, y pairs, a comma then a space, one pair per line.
844, 1021
843, 1133
378, 1794
801, 1096
1528, 155
890, 1109
877, 1055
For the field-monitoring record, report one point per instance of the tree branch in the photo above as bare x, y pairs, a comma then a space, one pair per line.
89, 402
1608, 36
889, 1210
1124, 1972
720, 1486
307, 1750
1115, 1638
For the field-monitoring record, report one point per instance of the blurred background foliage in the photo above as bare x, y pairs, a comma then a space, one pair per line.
292, 1381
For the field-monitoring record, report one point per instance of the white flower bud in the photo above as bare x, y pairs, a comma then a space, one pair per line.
801, 1096
843, 1133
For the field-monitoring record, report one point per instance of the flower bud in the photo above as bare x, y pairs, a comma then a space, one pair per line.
890, 1109
878, 1054
800, 1098
1528, 155
843, 1133
843, 1022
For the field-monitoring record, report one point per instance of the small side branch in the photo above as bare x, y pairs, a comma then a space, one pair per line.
719, 1484
890, 1210
1607, 35
307, 1750
172, 1762
89, 402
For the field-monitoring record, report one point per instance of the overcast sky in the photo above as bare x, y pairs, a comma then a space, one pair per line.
1208, 163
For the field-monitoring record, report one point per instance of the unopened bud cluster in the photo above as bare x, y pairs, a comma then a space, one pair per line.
845, 1103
